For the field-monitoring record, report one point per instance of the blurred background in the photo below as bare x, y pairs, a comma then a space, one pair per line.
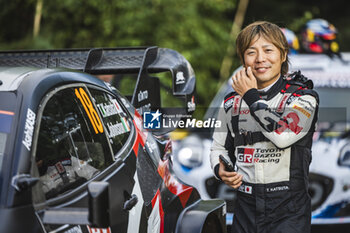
203, 31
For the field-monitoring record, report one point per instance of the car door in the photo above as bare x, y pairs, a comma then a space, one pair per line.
84, 134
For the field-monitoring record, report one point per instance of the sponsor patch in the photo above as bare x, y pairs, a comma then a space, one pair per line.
306, 102
282, 103
302, 110
118, 128
291, 99
66, 162
277, 189
180, 79
257, 155
245, 155
60, 168
191, 105
142, 95
228, 103
244, 111
245, 189
109, 109
236, 105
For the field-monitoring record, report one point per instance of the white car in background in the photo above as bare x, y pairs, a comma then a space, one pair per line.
330, 168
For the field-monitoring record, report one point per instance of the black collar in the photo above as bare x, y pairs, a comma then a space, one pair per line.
274, 90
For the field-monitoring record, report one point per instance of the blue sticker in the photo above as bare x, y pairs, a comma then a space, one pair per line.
151, 120
5, 121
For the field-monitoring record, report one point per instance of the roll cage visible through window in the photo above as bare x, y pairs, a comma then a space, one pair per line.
74, 143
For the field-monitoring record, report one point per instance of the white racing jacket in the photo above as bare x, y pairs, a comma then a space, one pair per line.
259, 130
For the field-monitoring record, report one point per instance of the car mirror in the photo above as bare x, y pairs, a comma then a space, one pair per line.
99, 204
96, 215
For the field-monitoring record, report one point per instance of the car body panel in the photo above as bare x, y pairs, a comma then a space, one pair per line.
64, 106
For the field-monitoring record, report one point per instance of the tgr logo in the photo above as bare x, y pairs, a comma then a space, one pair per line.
151, 120
245, 155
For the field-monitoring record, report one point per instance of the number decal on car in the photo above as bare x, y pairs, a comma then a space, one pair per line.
89, 109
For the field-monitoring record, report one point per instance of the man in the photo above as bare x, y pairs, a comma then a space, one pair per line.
268, 126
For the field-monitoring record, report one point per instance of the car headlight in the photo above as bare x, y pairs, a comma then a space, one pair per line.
344, 156
190, 153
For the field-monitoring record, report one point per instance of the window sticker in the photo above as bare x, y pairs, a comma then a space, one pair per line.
5, 121
113, 115
89, 109
125, 124
114, 118
109, 109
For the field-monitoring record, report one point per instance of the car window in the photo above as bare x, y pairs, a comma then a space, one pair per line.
72, 146
214, 106
117, 122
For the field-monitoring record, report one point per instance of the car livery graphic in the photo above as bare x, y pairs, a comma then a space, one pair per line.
74, 156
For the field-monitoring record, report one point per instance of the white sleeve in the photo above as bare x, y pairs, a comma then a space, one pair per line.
286, 129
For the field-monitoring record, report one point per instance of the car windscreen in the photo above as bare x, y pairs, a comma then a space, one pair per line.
334, 104
7, 113
217, 101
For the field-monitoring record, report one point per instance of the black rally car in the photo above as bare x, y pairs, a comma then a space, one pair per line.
74, 156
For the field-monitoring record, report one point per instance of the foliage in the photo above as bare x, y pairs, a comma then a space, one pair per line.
198, 29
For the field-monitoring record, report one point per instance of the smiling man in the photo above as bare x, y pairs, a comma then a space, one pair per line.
268, 121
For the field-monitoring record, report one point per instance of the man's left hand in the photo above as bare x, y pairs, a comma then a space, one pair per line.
243, 81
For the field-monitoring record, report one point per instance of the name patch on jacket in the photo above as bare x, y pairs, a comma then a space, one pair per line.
228, 103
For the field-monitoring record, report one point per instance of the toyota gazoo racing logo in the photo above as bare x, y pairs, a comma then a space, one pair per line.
245, 155
258, 155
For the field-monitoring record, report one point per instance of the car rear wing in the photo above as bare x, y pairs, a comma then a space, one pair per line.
133, 60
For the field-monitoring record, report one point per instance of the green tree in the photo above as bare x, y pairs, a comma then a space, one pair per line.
198, 29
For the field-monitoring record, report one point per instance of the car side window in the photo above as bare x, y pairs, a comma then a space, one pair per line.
117, 122
72, 145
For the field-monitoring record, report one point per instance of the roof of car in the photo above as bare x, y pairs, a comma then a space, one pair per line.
323, 70
11, 77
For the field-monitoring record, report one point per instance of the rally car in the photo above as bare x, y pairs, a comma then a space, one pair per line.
329, 185
74, 156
